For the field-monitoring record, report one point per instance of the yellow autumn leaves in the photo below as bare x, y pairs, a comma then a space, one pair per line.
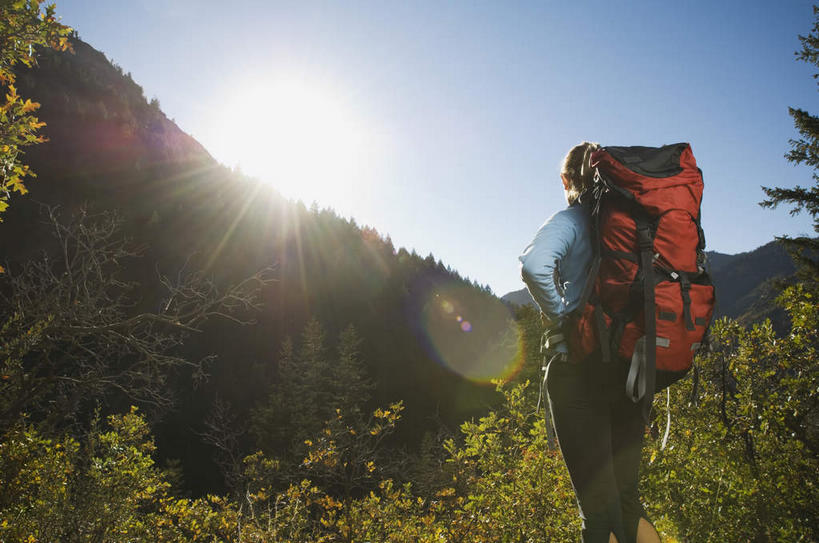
24, 27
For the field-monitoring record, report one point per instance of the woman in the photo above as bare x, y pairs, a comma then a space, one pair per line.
599, 429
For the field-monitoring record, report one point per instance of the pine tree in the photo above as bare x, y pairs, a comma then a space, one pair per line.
291, 412
350, 388
312, 385
312, 390
804, 150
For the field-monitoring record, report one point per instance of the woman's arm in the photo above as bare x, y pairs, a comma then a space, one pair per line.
540, 262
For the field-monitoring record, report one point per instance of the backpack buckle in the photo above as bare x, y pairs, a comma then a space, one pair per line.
644, 238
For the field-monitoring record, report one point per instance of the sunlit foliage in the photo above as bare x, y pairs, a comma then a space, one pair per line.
742, 468
513, 484
24, 27
107, 486
742, 464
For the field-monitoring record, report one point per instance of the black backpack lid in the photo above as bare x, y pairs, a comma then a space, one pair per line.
650, 161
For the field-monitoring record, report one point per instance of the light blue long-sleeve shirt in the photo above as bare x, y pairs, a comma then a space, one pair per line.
555, 264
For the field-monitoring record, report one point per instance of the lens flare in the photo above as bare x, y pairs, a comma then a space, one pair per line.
467, 331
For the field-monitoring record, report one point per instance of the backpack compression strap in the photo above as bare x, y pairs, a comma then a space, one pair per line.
642, 372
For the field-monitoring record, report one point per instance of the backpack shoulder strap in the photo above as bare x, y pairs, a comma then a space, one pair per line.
590, 200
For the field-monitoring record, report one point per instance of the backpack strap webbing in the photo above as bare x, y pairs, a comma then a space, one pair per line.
591, 199
635, 381
603, 334
685, 288
643, 369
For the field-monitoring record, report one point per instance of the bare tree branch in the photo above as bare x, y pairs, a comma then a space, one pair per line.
70, 331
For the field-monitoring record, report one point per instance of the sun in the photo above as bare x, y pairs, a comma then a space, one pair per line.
301, 137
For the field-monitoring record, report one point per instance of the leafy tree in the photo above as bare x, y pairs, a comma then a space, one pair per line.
742, 464
348, 458
502, 484
512, 485
64, 490
24, 27
324, 498
804, 150
105, 487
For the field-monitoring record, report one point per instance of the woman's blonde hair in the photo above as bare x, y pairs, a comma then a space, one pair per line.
577, 169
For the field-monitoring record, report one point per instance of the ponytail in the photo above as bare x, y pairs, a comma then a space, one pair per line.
577, 169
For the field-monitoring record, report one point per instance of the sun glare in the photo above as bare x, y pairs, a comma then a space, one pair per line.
303, 139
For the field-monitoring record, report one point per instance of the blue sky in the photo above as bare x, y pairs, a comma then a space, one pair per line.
460, 112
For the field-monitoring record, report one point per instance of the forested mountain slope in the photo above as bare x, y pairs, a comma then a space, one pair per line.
429, 336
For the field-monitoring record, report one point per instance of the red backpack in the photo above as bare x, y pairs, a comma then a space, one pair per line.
648, 297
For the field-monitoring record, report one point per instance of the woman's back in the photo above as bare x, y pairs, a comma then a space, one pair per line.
555, 264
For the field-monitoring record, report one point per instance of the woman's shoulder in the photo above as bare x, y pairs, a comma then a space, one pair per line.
575, 216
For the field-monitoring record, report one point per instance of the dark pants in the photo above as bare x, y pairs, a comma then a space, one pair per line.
600, 432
